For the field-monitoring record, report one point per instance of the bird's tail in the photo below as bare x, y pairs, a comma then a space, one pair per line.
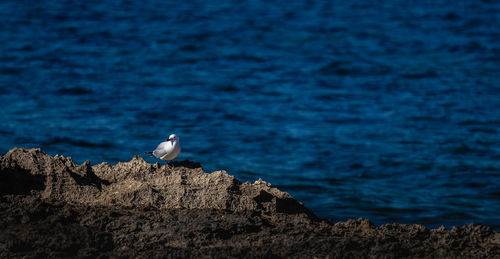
150, 153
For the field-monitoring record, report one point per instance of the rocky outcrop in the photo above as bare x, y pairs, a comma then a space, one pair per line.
52, 207
181, 185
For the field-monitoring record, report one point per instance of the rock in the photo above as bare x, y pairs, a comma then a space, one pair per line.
139, 184
51, 207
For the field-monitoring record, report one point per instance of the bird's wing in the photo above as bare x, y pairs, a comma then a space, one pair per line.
161, 150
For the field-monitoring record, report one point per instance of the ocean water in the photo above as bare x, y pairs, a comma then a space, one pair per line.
386, 110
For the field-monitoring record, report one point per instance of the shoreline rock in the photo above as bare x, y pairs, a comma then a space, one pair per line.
52, 207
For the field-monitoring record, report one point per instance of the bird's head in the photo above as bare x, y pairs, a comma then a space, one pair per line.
173, 137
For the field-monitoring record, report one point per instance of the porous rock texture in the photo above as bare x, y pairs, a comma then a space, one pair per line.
50, 207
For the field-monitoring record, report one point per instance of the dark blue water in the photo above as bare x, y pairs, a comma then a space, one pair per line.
389, 111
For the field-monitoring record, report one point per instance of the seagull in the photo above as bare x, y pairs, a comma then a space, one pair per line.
168, 150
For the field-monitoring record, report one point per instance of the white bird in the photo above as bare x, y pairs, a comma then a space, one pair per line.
168, 150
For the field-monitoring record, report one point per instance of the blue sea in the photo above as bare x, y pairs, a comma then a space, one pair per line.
387, 110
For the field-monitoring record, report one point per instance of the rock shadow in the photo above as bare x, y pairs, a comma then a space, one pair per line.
89, 178
185, 163
20, 181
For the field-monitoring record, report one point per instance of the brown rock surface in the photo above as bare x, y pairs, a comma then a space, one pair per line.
51, 207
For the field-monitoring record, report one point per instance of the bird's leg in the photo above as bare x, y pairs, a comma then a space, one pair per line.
170, 164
